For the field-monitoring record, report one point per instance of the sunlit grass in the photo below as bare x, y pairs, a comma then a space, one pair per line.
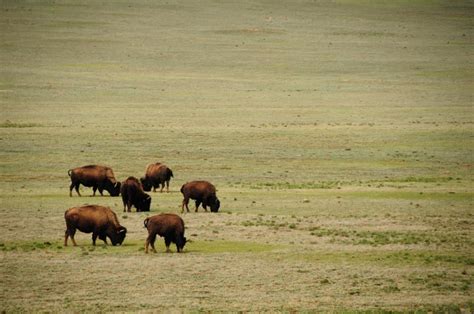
338, 135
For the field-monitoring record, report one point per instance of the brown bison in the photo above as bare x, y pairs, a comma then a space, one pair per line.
155, 175
132, 194
202, 192
99, 220
169, 226
97, 177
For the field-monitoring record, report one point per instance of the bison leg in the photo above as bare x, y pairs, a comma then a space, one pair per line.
76, 187
198, 202
101, 191
153, 246
126, 203
94, 237
73, 241
70, 233
167, 243
150, 240
70, 189
185, 203
179, 242
103, 237
147, 242
66, 235
167, 186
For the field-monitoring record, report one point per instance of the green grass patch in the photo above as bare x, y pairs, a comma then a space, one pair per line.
391, 4
219, 246
30, 246
461, 74
441, 281
85, 247
293, 186
385, 258
411, 195
19, 125
422, 179
376, 238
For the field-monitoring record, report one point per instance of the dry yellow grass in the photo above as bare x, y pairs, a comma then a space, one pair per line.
338, 134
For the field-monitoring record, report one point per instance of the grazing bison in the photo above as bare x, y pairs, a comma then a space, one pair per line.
99, 220
155, 175
169, 226
132, 194
202, 192
97, 177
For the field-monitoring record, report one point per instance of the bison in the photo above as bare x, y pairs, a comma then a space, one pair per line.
99, 220
155, 175
97, 177
202, 192
132, 194
169, 226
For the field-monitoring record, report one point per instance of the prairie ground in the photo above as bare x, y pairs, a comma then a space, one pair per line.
339, 135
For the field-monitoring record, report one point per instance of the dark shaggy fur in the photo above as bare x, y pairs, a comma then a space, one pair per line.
169, 226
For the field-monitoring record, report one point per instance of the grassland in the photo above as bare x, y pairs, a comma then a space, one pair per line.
339, 135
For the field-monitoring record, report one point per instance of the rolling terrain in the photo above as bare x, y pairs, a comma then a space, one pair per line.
339, 135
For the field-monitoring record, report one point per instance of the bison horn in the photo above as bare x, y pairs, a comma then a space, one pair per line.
122, 230
115, 185
148, 197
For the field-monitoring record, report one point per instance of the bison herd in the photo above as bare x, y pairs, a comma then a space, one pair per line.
103, 223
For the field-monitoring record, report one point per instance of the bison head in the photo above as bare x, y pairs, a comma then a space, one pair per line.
144, 205
113, 188
215, 205
146, 184
181, 243
118, 236
116, 189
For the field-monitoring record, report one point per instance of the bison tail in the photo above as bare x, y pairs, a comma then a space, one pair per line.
170, 173
69, 172
145, 222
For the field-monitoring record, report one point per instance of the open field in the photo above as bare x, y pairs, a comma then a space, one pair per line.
339, 135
